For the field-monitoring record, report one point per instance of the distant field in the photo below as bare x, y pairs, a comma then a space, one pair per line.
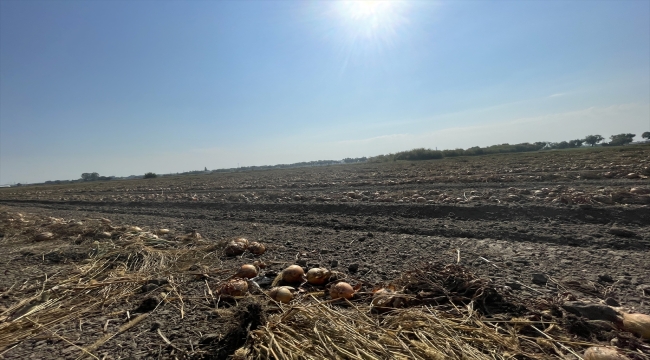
576, 216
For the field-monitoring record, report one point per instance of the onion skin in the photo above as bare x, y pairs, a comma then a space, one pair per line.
318, 276
281, 294
342, 290
638, 324
256, 248
234, 287
293, 274
603, 353
247, 271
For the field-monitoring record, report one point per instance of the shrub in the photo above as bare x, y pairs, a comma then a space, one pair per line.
150, 175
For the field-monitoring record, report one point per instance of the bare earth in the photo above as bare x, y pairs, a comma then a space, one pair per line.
578, 219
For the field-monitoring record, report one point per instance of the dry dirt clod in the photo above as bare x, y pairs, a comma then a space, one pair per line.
44, 236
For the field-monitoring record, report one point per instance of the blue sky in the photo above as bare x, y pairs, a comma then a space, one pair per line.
124, 88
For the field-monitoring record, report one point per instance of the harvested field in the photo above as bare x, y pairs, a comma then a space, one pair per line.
484, 257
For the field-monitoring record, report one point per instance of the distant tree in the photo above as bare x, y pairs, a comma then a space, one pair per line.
646, 135
150, 175
562, 145
576, 143
621, 139
90, 176
593, 139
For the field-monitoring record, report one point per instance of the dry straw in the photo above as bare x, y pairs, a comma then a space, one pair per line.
322, 330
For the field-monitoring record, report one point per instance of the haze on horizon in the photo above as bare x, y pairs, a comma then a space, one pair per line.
124, 88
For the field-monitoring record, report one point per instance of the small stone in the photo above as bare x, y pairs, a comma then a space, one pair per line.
334, 263
540, 279
362, 239
370, 235
302, 262
353, 268
156, 325
612, 302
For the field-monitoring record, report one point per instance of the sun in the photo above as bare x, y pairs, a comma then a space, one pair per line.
377, 20
368, 9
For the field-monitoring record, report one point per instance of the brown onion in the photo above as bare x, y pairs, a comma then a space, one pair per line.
256, 248
293, 274
247, 271
638, 324
318, 276
603, 353
234, 287
242, 241
281, 293
163, 231
342, 290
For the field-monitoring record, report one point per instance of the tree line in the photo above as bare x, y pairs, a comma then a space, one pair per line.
429, 154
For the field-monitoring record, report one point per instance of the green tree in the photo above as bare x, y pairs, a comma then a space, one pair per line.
576, 143
593, 139
150, 175
646, 135
621, 139
90, 176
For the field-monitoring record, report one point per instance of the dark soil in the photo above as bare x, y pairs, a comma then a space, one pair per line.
337, 217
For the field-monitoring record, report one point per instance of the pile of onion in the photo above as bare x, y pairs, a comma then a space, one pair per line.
282, 294
256, 248
318, 276
638, 324
234, 287
293, 274
342, 290
247, 271
236, 247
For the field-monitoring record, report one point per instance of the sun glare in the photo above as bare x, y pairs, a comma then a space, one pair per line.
361, 10
364, 31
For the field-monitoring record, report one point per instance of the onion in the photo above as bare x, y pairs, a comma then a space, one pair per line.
603, 353
259, 264
163, 231
281, 293
134, 229
234, 248
382, 298
257, 248
638, 324
104, 234
318, 276
44, 236
247, 271
242, 241
293, 274
234, 287
342, 290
